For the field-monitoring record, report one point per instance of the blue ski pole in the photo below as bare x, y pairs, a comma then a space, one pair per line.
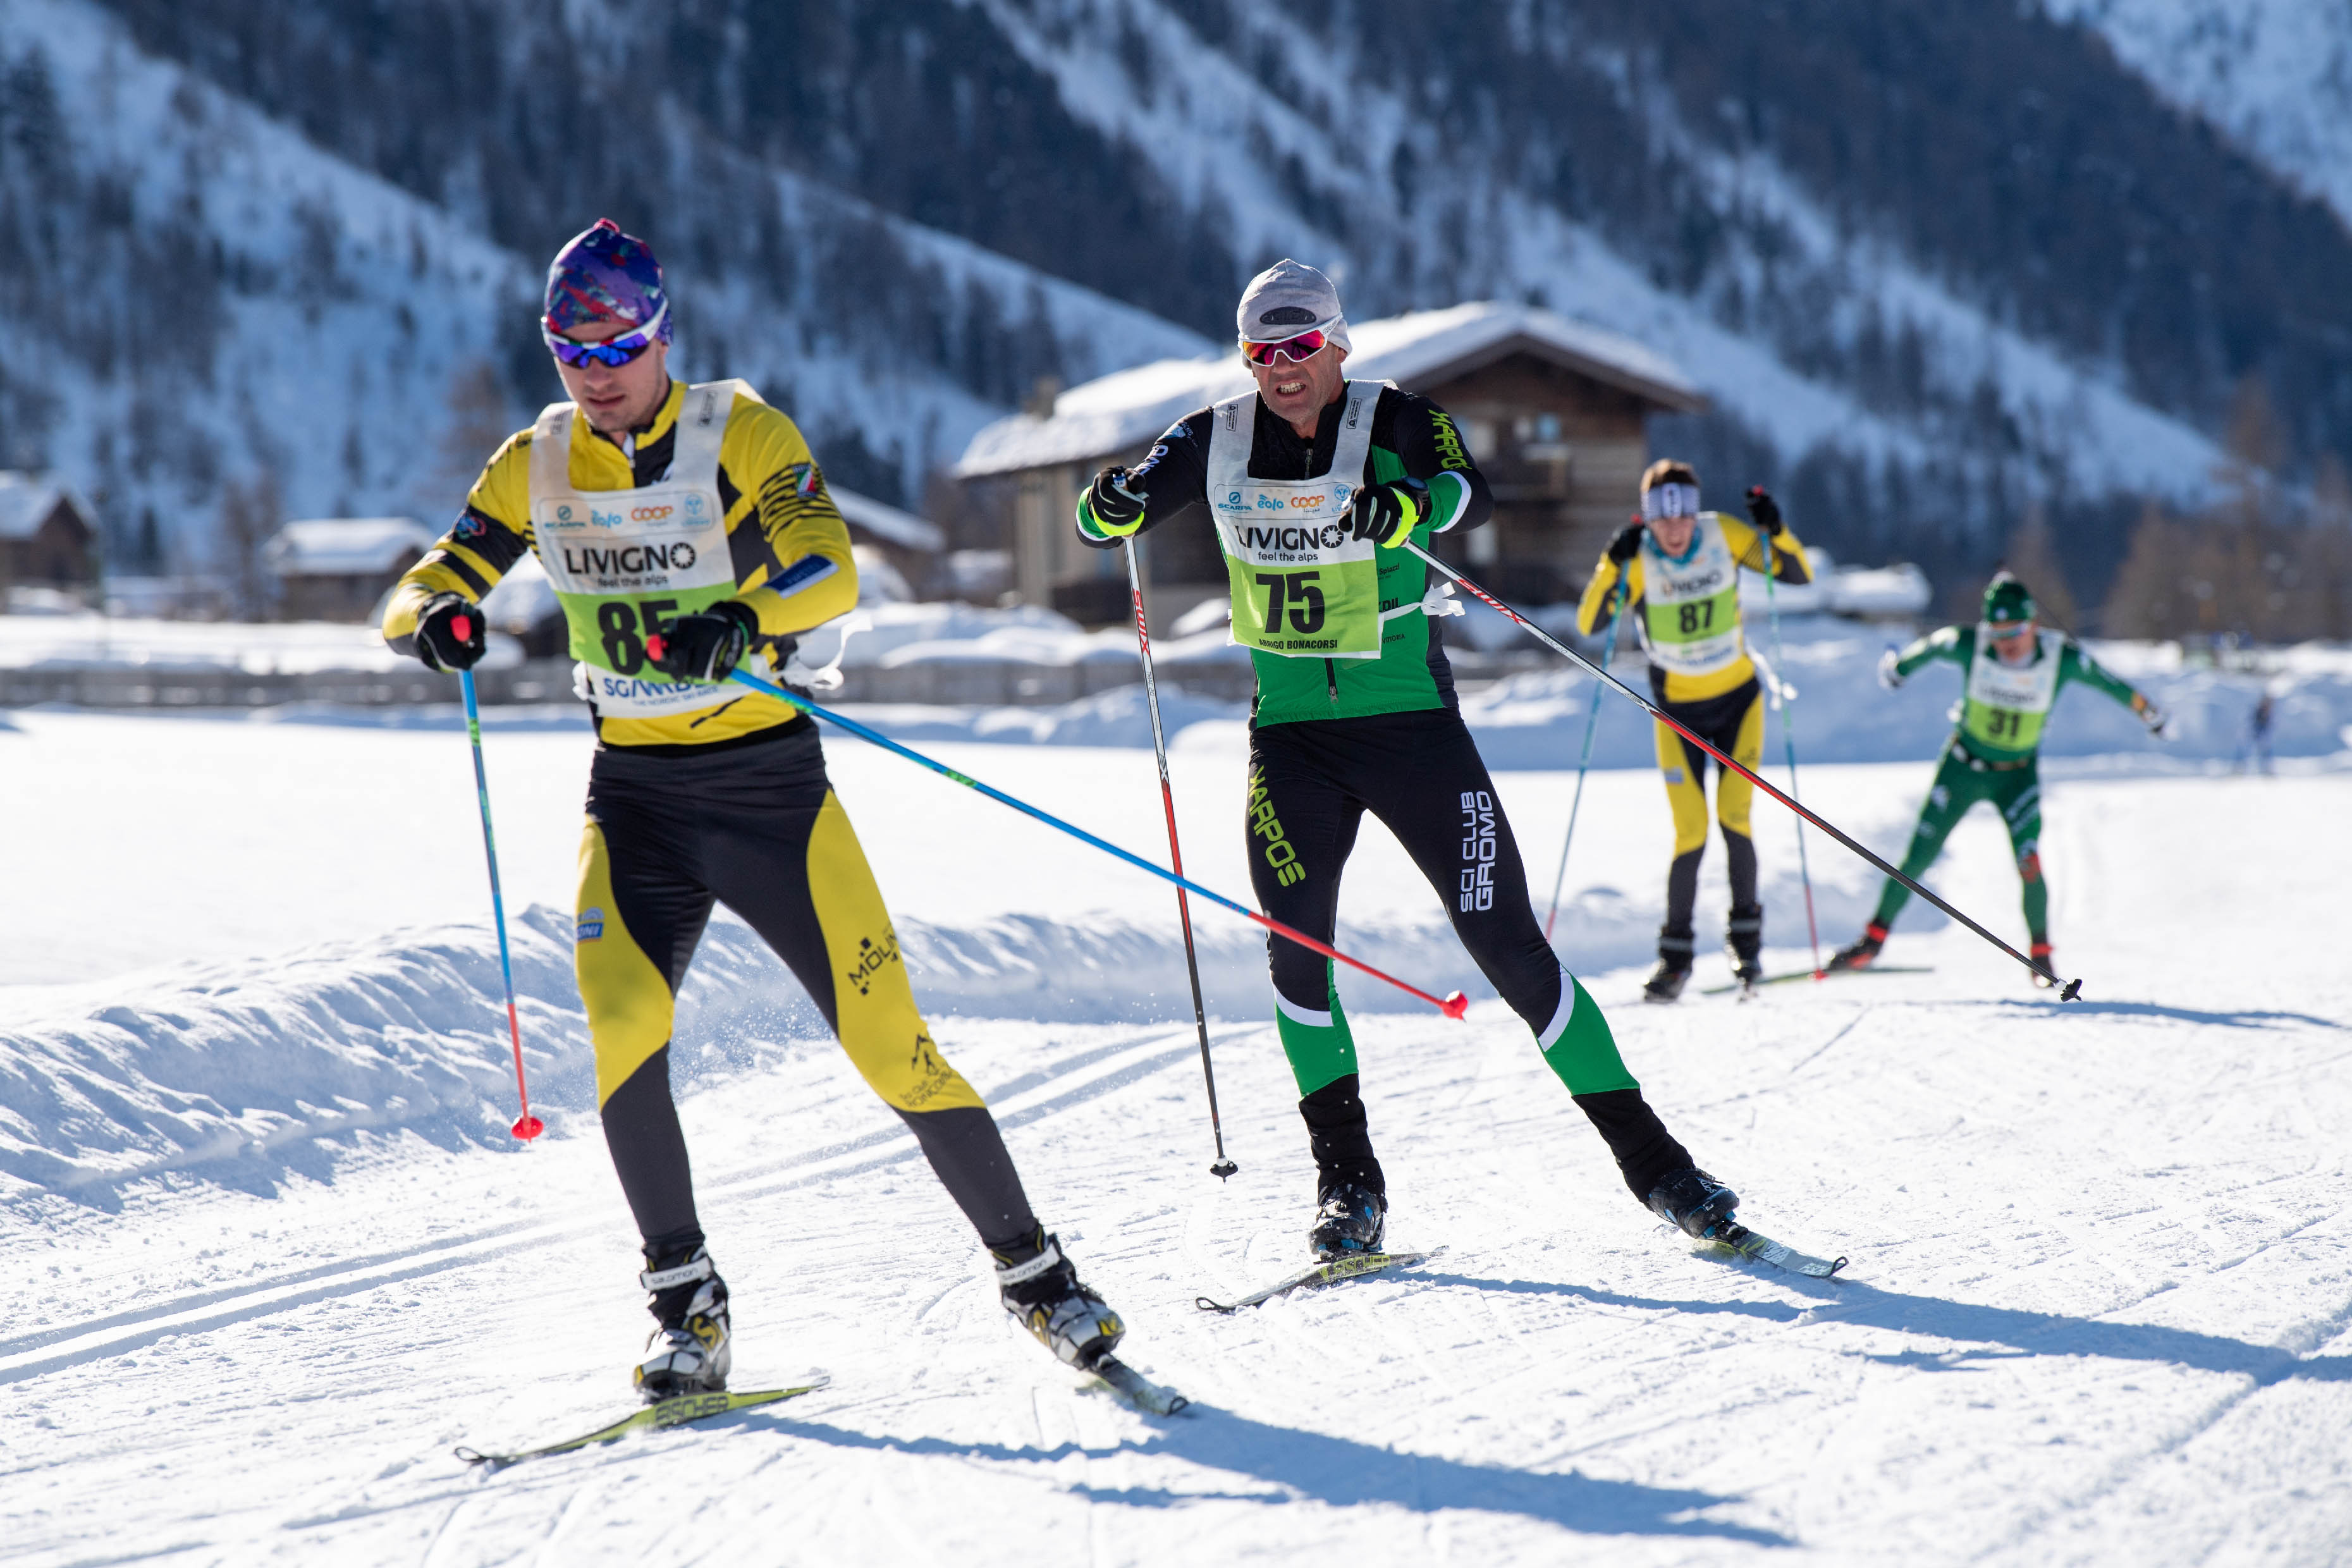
1592, 723
1453, 1006
1781, 693
527, 1126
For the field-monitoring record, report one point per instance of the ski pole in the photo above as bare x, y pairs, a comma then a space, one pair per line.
1223, 1167
527, 1126
1453, 1004
2071, 991
1592, 723
1781, 693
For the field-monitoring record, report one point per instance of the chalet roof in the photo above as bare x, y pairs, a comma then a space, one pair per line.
1119, 412
345, 546
886, 522
27, 499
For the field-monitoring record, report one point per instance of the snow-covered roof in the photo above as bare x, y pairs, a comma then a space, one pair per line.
345, 546
886, 522
1119, 412
27, 499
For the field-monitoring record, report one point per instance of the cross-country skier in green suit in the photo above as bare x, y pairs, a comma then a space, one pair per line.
2014, 670
1312, 481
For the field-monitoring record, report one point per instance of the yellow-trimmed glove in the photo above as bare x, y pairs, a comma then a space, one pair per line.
1387, 514
1109, 510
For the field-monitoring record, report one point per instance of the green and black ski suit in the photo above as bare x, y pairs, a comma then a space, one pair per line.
1334, 737
1994, 755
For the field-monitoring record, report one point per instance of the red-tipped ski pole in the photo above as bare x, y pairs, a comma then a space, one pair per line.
1453, 1006
1223, 1167
1584, 761
1784, 694
527, 1126
2072, 989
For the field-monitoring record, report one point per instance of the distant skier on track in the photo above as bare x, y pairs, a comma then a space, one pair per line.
687, 530
1681, 570
1312, 481
2014, 670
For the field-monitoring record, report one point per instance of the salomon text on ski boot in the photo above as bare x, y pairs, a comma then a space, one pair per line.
1695, 1202
692, 1345
1351, 1220
1041, 1292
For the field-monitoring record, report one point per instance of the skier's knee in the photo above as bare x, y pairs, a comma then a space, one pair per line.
2029, 865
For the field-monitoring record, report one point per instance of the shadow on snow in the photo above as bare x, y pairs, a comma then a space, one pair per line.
2025, 1333
1296, 1465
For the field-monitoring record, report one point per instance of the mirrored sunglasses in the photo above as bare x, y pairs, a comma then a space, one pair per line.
1305, 346
617, 351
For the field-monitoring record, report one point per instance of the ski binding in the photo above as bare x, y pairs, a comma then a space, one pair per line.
678, 1412
1152, 1398
1764, 1250
1316, 1275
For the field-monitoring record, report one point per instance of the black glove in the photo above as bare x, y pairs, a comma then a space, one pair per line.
706, 645
1386, 513
1627, 544
1765, 510
451, 633
1115, 510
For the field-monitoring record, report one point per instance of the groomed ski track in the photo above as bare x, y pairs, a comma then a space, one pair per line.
2097, 1309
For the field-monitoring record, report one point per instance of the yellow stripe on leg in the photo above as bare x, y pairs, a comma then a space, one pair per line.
629, 1004
1686, 795
1735, 798
873, 1006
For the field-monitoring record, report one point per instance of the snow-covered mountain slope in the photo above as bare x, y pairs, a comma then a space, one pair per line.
207, 297
2097, 1309
2275, 74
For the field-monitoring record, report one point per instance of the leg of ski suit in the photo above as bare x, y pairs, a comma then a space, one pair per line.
1734, 723
1419, 773
1961, 781
757, 828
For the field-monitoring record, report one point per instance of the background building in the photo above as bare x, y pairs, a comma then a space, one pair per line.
337, 568
1555, 411
48, 535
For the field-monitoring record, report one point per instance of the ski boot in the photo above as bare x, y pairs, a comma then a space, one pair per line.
1694, 1203
1667, 982
2046, 971
691, 1346
1744, 943
1351, 1220
1042, 1293
1859, 952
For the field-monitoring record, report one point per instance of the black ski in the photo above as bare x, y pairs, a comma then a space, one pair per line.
675, 1412
1764, 1250
1826, 974
1318, 1275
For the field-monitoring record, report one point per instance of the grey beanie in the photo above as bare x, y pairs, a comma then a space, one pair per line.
1287, 299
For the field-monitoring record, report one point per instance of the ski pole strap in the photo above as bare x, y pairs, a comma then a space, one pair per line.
2070, 990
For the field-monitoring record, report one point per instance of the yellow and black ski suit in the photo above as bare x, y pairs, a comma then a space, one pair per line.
727, 803
1725, 704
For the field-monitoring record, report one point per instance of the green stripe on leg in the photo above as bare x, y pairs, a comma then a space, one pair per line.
1319, 1051
1585, 1053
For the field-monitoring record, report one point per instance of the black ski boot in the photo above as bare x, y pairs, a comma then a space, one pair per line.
2045, 968
1351, 1220
1695, 1202
692, 1346
1744, 940
1860, 951
1041, 1292
1674, 972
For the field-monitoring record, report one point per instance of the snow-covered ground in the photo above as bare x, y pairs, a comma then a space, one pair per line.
275, 1256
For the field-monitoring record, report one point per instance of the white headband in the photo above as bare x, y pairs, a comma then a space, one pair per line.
1672, 498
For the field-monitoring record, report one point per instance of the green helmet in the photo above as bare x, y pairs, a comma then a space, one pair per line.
2006, 599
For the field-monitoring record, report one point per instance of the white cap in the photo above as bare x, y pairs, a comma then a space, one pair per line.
1287, 299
